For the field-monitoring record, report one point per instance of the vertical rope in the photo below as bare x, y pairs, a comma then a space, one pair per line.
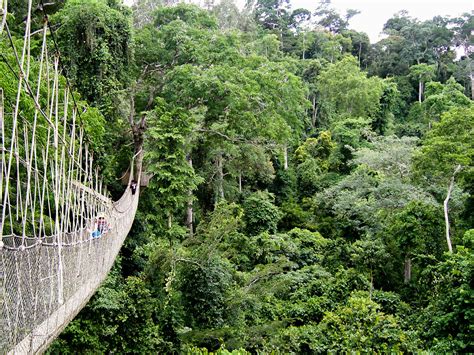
2, 147
13, 145
3, 12
45, 181
33, 135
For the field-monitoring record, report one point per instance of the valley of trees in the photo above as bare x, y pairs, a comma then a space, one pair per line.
310, 191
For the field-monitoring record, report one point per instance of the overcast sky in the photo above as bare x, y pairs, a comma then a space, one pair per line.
374, 13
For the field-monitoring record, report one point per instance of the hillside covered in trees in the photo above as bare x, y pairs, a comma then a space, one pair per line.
310, 191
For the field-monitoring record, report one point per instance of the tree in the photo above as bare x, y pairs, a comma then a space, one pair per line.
361, 47
360, 202
369, 254
143, 11
440, 98
314, 161
204, 289
447, 151
463, 37
272, 14
360, 325
330, 19
266, 130
123, 320
168, 146
416, 229
347, 91
423, 73
260, 214
389, 102
228, 14
390, 155
411, 42
445, 321
95, 41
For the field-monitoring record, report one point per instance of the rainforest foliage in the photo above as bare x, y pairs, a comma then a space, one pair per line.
303, 178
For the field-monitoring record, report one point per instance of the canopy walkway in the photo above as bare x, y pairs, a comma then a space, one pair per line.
51, 261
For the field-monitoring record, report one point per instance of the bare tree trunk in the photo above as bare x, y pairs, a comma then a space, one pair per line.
3, 14
420, 91
304, 44
407, 270
315, 111
371, 284
360, 51
240, 182
189, 208
472, 86
138, 131
285, 157
445, 204
220, 177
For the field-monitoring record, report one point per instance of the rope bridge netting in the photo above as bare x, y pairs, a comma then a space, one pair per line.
51, 259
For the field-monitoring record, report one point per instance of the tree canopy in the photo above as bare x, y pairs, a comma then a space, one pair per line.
303, 180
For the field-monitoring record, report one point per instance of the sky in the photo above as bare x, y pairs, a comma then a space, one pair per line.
374, 13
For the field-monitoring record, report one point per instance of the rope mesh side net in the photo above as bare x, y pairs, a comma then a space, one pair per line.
51, 257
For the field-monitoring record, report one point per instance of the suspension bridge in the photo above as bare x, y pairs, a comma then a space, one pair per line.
51, 262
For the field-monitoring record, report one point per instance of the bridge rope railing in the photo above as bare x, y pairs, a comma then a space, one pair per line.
53, 254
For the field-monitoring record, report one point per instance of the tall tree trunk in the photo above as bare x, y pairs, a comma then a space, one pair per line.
371, 283
220, 177
240, 182
315, 111
170, 224
138, 132
189, 208
472, 85
445, 204
360, 51
285, 157
304, 44
420, 90
407, 269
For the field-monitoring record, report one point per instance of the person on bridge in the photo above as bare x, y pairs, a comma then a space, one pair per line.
133, 186
101, 226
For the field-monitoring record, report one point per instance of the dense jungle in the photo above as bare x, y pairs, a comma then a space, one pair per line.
309, 191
